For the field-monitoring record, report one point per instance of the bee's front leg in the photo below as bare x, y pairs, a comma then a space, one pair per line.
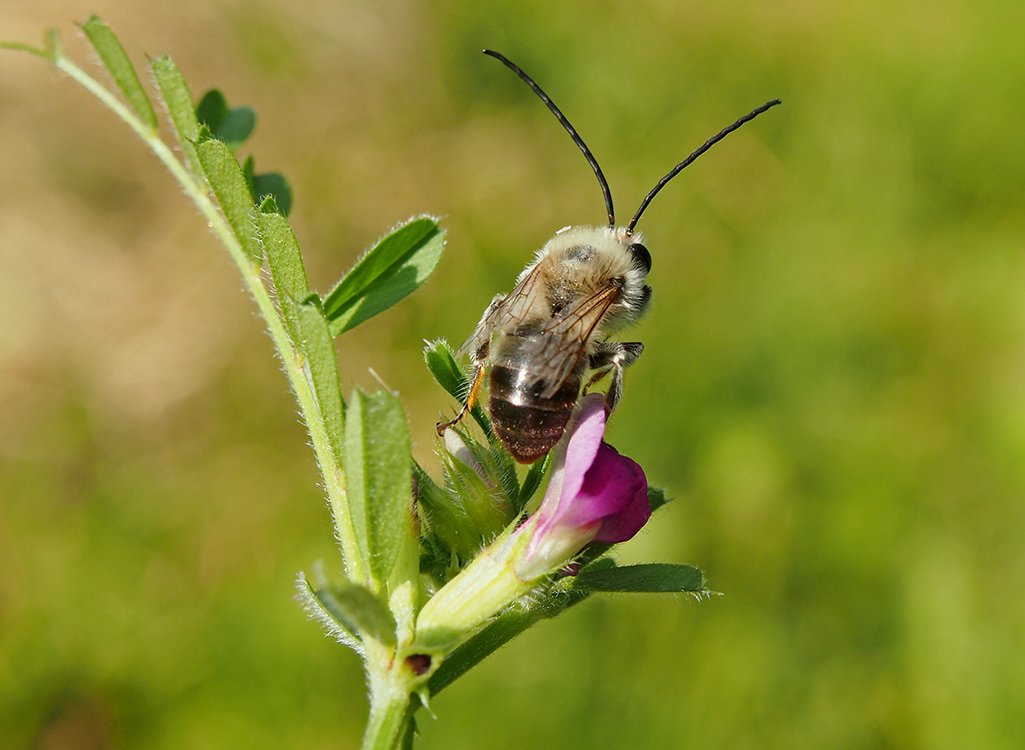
612, 357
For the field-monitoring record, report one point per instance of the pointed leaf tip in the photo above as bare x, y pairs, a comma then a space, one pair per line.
391, 270
118, 64
379, 479
178, 100
285, 261
356, 610
228, 183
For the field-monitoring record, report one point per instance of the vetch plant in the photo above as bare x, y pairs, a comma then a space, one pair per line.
435, 575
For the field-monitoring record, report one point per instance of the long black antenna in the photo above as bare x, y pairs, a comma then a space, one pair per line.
566, 124
690, 159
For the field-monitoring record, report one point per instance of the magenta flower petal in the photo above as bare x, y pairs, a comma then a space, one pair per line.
595, 494
615, 492
573, 459
633, 511
586, 433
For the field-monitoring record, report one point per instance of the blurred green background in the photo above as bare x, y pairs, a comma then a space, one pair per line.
833, 389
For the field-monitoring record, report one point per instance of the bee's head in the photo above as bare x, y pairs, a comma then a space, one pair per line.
585, 259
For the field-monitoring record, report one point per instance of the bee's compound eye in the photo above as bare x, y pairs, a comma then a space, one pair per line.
641, 256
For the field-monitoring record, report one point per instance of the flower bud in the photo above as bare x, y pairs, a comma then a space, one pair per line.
474, 505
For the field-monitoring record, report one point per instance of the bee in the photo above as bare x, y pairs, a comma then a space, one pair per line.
540, 340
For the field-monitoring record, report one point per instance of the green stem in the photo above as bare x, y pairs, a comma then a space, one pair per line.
390, 709
32, 50
293, 359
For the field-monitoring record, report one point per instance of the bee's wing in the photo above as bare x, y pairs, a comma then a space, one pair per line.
505, 313
563, 342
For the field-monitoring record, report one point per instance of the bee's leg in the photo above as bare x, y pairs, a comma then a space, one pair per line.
594, 379
614, 356
471, 397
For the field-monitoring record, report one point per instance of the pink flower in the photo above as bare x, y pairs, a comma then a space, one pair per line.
595, 495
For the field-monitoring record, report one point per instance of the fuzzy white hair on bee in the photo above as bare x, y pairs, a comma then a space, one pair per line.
583, 284
579, 260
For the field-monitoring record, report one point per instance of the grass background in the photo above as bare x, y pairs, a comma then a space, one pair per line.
833, 389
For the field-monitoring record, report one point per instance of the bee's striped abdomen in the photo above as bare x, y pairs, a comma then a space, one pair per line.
528, 424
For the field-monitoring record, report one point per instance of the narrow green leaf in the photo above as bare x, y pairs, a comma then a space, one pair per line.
233, 126
378, 471
441, 362
446, 517
225, 178
286, 267
396, 266
357, 610
321, 368
116, 61
647, 578
319, 609
175, 93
